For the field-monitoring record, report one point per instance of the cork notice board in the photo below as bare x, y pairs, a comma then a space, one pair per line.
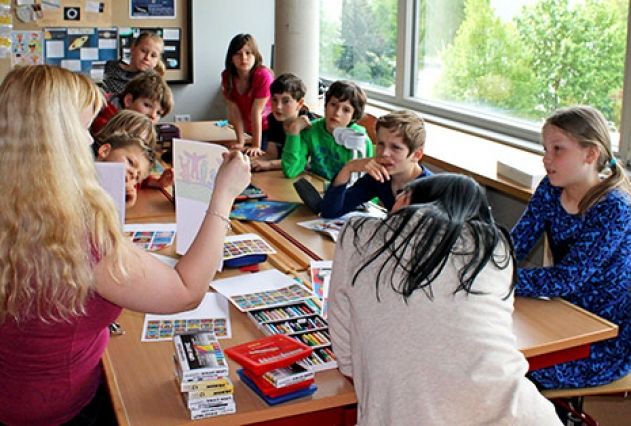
100, 30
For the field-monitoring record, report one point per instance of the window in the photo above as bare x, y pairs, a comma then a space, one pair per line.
501, 65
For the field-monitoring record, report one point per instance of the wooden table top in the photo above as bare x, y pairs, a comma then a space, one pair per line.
140, 375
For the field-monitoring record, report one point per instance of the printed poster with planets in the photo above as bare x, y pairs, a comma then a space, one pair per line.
83, 50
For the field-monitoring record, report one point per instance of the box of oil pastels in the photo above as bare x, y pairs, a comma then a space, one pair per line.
301, 322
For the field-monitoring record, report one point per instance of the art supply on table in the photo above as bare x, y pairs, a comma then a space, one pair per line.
262, 211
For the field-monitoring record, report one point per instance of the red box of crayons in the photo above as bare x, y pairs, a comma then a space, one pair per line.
268, 353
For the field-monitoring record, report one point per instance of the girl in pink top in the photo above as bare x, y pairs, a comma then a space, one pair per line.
66, 269
245, 83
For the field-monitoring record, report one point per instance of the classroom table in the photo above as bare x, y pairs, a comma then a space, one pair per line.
140, 376
208, 131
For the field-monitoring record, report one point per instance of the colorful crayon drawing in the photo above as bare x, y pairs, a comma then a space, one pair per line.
26, 48
151, 237
195, 166
320, 281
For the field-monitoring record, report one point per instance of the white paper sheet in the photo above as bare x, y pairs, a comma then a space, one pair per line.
213, 314
112, 179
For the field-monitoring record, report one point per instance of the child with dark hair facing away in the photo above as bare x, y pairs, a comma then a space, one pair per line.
134, 153
420, 312
400, 142
583, 206
288, 101
146, 53
147, 94
245, 84
313, 141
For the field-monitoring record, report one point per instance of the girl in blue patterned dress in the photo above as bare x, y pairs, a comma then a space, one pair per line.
584, 207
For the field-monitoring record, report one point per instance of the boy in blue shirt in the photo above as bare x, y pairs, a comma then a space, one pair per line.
400, 143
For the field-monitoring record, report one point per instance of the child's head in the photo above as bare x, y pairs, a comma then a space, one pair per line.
288, 96
148, 94
400, 140
344, 104
243, 54
586, 128
137, 157
131, 123
146, 53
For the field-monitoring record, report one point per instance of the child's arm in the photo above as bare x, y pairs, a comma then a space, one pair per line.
530, 226
234, 117
269, 161
362, 165
257, 127
340, 199
296, 152
603, 233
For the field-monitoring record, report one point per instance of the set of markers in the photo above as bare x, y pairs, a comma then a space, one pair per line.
301, 322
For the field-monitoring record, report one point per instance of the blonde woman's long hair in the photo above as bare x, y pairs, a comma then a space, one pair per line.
589, 127
56, 221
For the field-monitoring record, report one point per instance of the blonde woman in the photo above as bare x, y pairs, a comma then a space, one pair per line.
65, 269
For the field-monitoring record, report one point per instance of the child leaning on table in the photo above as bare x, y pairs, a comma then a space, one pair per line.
314, 142
288, 102
145, 55
399, 149
583, 206
134, 153
134, 124
147, 94
245, 85
420, 313
67, 270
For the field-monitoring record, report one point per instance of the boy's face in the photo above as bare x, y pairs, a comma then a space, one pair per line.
284, 106
337, 114
145, 106
145, 55
393, 153
136, 167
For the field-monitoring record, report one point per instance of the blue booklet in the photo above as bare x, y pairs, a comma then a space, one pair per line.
279, 399
262, 211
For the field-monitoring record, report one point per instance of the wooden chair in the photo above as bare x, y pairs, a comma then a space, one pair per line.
571, 400
369, 121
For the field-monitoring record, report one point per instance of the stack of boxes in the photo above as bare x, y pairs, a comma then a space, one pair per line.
201, 370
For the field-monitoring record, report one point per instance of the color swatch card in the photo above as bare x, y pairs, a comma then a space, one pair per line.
320, 281
151, 236
245, 245
261, 290
213, 314
262, 211
195, 166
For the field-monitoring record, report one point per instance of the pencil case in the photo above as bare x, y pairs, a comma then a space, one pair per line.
250, 259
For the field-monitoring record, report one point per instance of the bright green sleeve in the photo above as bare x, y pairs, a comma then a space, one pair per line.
294, 158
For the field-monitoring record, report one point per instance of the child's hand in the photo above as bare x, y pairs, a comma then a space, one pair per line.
259, 165
234, 174
254, 151
370, 166
166, 179
294, 126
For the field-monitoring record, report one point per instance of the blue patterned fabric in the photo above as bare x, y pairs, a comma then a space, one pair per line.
592, 269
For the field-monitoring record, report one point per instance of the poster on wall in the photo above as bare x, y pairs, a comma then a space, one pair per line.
76, 13
152, 9
27, 48
82, 50
172, 44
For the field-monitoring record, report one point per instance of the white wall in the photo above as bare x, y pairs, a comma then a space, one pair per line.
215, 22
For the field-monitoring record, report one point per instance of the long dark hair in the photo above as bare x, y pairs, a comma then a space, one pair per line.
235, 45
443, 208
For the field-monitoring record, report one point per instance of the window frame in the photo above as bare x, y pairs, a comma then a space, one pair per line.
510, 132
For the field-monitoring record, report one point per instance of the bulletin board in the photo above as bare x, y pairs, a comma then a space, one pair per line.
82, 34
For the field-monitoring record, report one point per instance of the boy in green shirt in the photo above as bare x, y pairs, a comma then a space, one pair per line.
344, 105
